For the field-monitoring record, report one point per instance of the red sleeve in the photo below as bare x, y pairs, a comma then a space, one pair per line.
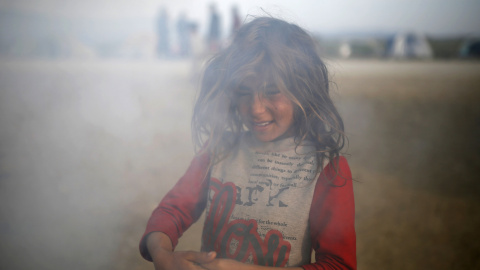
332, 219
181, 206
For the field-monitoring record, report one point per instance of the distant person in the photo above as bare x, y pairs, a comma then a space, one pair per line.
163, 41
269, 173
236, 22
183, 34
214, 30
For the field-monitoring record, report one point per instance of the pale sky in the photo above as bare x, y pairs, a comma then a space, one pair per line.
328, 16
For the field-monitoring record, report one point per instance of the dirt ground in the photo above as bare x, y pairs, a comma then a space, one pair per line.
88, 149
414, 132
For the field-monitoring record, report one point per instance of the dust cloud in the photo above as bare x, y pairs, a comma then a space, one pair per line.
87, 150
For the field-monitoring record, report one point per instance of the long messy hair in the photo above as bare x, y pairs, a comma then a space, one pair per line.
288, 56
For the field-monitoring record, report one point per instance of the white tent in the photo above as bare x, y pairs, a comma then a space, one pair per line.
409, 45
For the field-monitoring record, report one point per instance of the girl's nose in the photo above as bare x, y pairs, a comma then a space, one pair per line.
257, 105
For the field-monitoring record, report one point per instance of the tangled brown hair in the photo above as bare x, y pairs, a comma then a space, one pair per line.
287, 55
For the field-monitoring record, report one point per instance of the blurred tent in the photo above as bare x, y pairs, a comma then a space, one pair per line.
470, 48
409, 45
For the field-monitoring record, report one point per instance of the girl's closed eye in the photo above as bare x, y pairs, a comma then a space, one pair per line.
272, 92
242, 93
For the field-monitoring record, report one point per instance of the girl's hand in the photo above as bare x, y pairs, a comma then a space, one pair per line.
181, 260
164, 258
226, 264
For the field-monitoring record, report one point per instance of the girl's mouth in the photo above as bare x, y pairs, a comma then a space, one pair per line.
262, 124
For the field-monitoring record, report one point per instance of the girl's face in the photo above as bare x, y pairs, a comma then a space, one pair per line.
268, 115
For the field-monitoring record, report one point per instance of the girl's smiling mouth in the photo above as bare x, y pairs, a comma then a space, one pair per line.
262, 124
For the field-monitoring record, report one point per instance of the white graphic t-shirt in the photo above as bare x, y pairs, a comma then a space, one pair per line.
259, 203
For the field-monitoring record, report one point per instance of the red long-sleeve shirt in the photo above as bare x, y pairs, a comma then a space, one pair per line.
331, 216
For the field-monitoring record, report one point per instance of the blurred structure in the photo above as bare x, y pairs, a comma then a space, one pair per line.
214, 30
409, 45
356, 46
163, 40
470, 48
360, 48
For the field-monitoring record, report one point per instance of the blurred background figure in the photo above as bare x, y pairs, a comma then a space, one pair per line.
183, 32
236, 22
163, 41
214, 30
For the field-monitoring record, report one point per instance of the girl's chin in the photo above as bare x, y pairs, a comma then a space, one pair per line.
268, 137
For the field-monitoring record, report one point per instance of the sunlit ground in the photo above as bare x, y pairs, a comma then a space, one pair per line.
87, 149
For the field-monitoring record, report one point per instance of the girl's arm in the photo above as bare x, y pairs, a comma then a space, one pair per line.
332, 219
181, 207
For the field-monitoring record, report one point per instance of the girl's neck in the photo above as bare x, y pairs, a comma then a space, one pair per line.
278, 145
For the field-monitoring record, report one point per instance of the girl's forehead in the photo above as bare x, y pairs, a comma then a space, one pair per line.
256, 83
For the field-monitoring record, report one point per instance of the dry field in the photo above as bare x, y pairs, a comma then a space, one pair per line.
87, 149
414, 132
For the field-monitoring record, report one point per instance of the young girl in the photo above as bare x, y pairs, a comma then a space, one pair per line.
268, 174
